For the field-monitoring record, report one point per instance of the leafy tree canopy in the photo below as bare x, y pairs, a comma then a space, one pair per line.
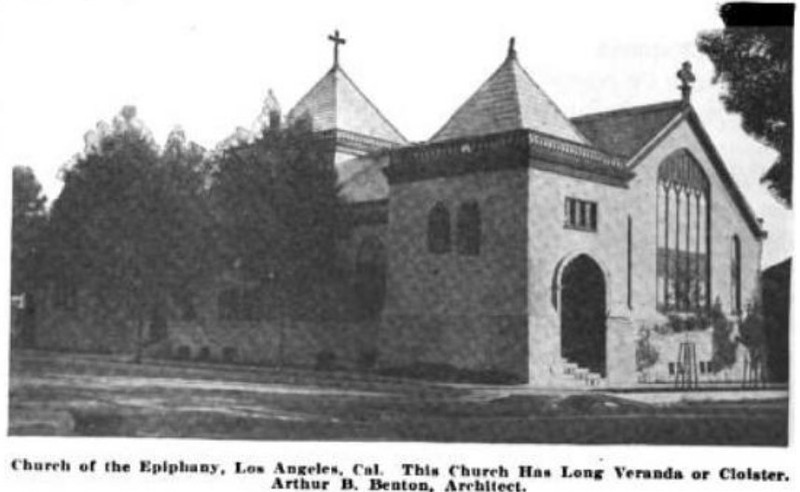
130, 224
754, 63
29, 218
278, 207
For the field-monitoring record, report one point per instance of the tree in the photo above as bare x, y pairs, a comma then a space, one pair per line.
754, 63
278, 209
752, 335
29, 218
128, 229
723, 344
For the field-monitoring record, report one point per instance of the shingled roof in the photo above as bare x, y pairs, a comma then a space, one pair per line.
623, 132
336, 103
508, 100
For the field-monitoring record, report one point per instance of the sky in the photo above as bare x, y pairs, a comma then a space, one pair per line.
208, 66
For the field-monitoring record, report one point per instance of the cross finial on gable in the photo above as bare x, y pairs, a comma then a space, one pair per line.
512, 52
687, 78
336, 40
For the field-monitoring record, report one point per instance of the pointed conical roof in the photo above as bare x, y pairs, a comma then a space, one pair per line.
336, 103
508, 100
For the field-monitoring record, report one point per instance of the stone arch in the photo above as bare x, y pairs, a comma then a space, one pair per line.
582, 304
558, 272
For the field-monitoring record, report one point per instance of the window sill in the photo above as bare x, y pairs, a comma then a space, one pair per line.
579, 228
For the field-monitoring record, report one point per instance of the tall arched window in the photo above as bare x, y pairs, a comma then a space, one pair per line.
468, 226
439, 229
682, 210
736, 274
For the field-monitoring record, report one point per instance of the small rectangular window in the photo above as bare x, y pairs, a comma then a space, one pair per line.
580, 214
671, 368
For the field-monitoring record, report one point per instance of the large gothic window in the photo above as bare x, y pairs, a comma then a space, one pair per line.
683, 267
468, 239
439, 229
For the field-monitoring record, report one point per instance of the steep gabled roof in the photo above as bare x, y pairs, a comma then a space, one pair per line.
336, 103
508, 100
623, 132
661, 120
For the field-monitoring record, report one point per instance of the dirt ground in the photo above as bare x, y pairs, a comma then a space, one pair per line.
78, 395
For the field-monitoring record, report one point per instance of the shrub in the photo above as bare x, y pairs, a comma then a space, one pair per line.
229, 354
646, 353
723, 344
367, 359
204, 354
751, 331
183, 352
325, 360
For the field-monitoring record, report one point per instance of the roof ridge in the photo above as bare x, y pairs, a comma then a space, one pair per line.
370, 103
552, 103
517, 97
631, 109
309, 92
468, 100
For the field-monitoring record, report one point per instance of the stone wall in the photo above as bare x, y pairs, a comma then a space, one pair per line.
477, 343
552, 245
289, 343
448, 308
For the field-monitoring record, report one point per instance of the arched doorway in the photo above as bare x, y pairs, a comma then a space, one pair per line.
583, 314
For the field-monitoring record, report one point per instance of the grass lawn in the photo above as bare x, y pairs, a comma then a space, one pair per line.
57, 394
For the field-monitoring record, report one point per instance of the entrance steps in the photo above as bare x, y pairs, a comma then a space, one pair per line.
573, 375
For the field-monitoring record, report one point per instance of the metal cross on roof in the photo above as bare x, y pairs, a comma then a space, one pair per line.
336, 40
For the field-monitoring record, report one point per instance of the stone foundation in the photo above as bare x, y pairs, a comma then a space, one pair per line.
277, 342
478, 343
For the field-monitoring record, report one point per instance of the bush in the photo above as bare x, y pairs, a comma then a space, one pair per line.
723, 344
751, 331
183, 352
229, 354
367, 359
646, 353
204, 354
325, 360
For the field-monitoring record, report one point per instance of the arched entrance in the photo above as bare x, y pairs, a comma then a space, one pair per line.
583, 314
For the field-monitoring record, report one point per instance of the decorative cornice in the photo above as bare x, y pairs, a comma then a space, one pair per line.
356, 142
583, 153
508, 150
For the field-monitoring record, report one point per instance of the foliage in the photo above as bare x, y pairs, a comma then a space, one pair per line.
29, 219
646, 353
722, 341
755, 66
752, 332
277, 207
130, 226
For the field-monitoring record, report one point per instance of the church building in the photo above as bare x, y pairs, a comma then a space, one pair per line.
519, 240
562, 251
